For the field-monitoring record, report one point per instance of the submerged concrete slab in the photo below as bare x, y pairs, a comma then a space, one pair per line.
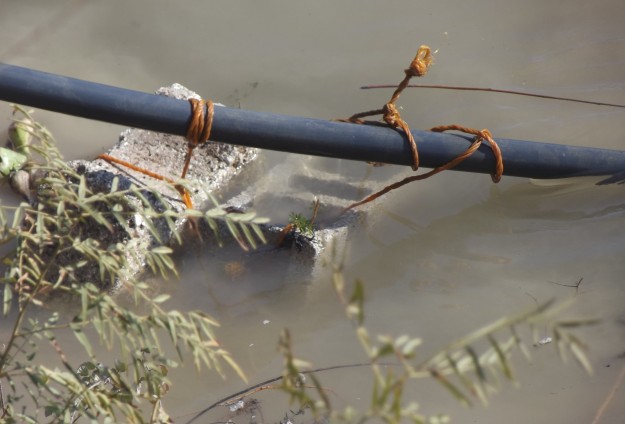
214, 166
293, 187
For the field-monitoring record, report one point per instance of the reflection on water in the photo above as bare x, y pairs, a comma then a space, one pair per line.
440, 257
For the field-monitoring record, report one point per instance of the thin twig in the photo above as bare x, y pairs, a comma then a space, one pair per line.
2, 407
608, 399
250, 389
575, 286
494, 90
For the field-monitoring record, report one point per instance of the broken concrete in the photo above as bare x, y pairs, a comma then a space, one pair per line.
301, 186
213, 167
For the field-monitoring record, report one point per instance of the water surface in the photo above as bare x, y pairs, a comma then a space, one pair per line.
438, 258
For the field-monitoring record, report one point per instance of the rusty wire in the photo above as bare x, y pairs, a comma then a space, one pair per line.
198, 132
391, 116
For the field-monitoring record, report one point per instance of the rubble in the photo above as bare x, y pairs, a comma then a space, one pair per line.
213, 168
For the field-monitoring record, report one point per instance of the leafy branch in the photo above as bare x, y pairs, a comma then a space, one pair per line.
469, 368
73, 242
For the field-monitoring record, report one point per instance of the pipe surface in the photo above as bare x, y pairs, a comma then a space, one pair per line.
295, 134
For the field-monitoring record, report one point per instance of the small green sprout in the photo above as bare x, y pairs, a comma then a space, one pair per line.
301, 223
304, 225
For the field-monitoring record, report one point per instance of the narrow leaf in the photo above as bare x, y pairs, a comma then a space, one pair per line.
248, 235
457, 393
161, 298
84, 341
578, 352
476, 363
464, 379
114, 184
259, 233
8, 297
162, 250
357, 300
82, 188
503, 361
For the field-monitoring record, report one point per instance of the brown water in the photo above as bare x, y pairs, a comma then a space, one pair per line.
439, 258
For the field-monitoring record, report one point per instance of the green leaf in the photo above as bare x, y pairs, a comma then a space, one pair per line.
10, 161
464, 379
8, 298
577, 350
236, 234
357, 300
242, 217
259, 233
161, 298
114, 184
577, 323
60, 209
162, 250
248, 235
409, 348
385, 349
503, 361
82, 338
215, 213
476, 363
82, 188
457, 393
235, 367
40, 228
519, 342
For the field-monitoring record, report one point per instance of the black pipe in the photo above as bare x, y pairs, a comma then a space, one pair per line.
294, 134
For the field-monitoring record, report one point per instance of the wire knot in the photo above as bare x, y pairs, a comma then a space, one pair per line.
198, 132
201, 122
483, 135
421, 62
391, 115
199, 128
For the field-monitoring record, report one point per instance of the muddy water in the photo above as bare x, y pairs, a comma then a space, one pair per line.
439, 258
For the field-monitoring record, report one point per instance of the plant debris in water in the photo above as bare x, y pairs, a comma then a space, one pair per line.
70, 241
53, 249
